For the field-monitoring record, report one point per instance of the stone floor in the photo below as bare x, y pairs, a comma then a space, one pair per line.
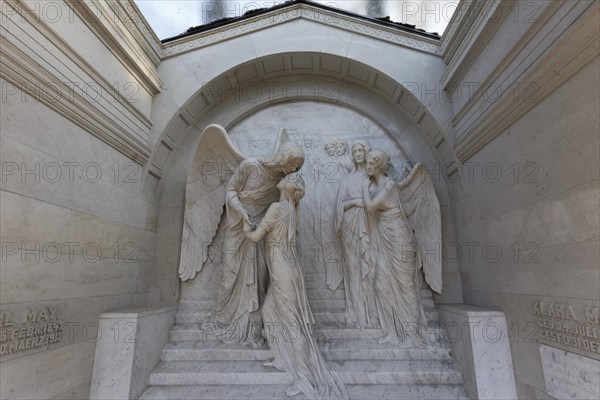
195, 365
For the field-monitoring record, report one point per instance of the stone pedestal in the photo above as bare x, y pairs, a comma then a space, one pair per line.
128, 349
479, 341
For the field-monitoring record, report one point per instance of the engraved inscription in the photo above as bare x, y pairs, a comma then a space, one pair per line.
33, 328
569, 326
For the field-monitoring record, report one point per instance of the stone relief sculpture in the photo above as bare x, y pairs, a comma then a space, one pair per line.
329, 180
246, 196
311, 209
378, 224
393, 211
357, 257
341, 152
286, 313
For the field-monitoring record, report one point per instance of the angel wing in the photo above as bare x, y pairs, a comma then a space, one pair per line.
206, 188
282, 138
422, 209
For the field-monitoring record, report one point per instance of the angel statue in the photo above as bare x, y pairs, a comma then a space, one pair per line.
402, 218
286, 312
246, 196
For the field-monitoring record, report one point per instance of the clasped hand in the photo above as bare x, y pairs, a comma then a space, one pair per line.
249, 226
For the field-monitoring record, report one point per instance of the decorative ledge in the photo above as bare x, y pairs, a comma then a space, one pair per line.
19, 69
553, 57
115, 37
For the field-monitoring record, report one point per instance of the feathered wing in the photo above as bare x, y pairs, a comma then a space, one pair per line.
215, 161
422, 208
282, 138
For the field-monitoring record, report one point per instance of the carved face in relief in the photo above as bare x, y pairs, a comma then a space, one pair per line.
341, 148
292, 187
330, 149
293, 165
359, 154
377, 163
289, 158
371, 167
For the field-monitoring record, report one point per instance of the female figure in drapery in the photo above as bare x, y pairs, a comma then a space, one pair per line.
244, 281
286, 313
351, 226
397, 286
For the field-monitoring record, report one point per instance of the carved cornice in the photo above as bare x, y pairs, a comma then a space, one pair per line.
138, 26
71, 54
118, 40
477, 34
306, 12
557, 61
462, 20
30, 77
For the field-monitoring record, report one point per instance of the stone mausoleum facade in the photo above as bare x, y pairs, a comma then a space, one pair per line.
100, 122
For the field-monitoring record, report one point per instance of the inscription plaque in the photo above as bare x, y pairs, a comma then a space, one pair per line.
568, 325
569, 375
34, 328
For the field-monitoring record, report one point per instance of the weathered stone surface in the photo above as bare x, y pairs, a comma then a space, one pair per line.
570, 376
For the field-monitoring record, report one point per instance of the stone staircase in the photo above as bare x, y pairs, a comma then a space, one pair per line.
195, 365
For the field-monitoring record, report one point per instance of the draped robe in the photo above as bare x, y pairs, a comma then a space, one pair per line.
286, 312
237, 318
357, 258
397, 286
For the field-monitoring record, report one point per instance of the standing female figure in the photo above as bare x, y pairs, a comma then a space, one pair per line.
250, 191
351, 226
286, 313
397, 291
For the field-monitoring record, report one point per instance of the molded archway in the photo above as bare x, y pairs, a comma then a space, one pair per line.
261, 83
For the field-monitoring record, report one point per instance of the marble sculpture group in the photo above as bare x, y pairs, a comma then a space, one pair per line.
380, 225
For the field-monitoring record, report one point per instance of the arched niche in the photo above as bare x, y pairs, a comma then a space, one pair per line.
236, 100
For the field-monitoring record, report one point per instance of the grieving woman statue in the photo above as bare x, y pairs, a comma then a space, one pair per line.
286, 313
398, 259
351, 226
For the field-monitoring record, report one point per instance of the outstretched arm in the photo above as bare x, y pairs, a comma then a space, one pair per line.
375, 203
406, 181
265, 224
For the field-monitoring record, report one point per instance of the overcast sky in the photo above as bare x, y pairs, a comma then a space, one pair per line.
172, 17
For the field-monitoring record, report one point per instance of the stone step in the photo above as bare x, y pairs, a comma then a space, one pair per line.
325, 294
340, 317
312, 294
193, 317
340, 294
324, 332
327, 305
428, 372
323, 317
277, 392
339, 349
340, 305
318, 279
318, 299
